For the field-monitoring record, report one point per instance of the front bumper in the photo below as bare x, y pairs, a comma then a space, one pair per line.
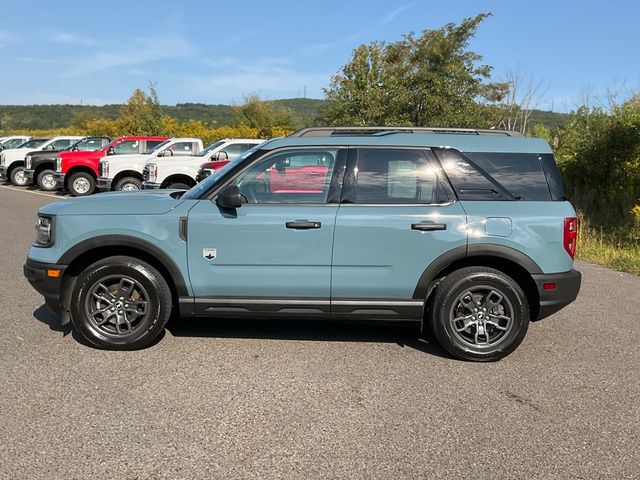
150, 186
3, 173
59, 178
567, 286
49, 287
29, 174
104, 184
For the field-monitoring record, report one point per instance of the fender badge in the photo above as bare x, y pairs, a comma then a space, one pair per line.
209, 253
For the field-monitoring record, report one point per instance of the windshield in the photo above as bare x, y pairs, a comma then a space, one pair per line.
207, 183
88, 144
35, 143
157, 147
15, 143
211, 147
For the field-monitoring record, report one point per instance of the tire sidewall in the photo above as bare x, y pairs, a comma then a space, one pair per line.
159, 306
128, 180
89, 179
44, 172
14, 172
445, 298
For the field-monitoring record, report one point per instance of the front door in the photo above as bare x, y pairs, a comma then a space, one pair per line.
273, 254
398, 215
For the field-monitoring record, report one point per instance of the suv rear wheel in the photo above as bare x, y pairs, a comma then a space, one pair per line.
121, 303
129, 184
81, 184
479, 314
46, 181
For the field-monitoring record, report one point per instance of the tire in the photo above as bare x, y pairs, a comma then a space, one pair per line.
479, 335
81, 184
137, 292
18, 177
179, 186
129, 184
45, 180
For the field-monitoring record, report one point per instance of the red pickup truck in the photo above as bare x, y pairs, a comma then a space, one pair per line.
78, 171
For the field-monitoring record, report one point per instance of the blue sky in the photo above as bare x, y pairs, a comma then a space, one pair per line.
213, 52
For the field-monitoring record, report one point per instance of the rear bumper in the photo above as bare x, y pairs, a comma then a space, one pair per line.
104, 184
567, 286
59, 178
48, 287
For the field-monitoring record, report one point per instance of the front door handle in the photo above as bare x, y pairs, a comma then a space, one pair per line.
428, 227
303, 225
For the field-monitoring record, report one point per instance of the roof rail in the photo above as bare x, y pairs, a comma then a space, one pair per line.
344, 131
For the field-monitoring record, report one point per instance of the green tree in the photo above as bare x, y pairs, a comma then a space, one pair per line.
142, 115
432, 79
263, 114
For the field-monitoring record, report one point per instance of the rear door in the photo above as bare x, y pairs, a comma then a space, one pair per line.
397, 215
273, 254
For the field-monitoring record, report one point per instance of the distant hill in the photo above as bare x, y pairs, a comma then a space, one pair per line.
36, 117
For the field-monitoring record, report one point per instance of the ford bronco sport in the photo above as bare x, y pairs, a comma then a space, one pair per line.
464, 232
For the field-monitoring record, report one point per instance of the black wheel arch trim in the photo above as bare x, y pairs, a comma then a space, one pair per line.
127, 241
468, 251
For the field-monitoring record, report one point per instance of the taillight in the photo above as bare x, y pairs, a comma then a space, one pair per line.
570, 235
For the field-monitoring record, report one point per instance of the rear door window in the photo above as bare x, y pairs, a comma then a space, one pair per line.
399, 176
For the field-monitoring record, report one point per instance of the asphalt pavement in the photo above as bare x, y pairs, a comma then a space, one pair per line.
286, 399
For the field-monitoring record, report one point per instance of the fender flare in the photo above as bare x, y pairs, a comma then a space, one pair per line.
467, 251
128, 241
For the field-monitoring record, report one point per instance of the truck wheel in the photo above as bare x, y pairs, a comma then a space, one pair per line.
179, 186
479, 314
120, 303
46, 181
128, 184
81, 184
18, 177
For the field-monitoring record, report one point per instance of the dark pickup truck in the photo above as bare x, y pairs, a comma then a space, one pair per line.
40, 165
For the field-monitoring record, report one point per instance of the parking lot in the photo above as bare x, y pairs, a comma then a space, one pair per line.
276, 399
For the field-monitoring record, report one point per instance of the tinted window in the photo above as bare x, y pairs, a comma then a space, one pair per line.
60, 144
520, 173
211, 147
13, 143
553, 176
182, 148
399, 176
152, 146
302, 176
127, 147
33, 143
233, 150
89, 144
469, 183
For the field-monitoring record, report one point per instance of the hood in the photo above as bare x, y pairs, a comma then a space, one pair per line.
44, 153
143, 202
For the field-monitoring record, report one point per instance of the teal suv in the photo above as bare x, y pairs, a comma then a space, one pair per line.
464, 232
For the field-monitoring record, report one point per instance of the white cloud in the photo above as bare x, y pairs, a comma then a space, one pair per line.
390, 17
5, 37
132, 52
73, 39
315, 49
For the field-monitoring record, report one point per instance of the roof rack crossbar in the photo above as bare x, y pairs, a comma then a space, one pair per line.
329, 131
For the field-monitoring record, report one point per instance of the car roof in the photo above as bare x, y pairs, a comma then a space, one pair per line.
464, 141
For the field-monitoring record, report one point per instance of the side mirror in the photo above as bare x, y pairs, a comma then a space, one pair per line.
111, 151
230, 197
165, 153
283, 164
49, 147
222, 155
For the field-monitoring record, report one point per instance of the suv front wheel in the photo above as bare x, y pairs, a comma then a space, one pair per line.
120, 303
479, 314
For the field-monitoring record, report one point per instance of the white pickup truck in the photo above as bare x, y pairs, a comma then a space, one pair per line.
169, 172
12, 160
124, 172
13, 141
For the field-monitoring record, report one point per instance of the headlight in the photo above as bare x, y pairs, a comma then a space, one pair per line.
58, 164
153, 172
27, 162
104, 169
44, 231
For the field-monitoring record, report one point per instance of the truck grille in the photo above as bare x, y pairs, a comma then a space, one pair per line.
101, 170
145, 173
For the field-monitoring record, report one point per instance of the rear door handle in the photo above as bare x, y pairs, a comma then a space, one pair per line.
428, 227
303, 225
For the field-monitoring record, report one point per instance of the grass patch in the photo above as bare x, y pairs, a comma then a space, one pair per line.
614, 247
